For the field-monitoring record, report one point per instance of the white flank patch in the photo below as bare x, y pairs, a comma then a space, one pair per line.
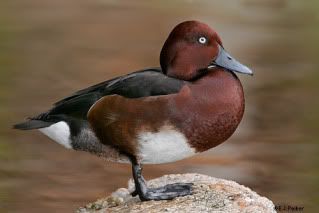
59, 132
164, 146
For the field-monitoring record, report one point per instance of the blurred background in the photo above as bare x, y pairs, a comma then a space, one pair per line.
49, 49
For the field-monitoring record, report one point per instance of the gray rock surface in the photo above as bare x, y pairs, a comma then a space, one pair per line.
209, 195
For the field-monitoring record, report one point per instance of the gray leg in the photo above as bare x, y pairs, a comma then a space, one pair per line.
167, 192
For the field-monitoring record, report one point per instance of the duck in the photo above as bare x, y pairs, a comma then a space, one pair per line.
193, 102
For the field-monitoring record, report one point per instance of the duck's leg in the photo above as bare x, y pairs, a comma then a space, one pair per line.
166, 192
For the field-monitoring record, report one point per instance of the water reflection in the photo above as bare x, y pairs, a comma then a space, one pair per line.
50, 49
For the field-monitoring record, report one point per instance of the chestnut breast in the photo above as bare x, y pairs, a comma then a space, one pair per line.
209, 110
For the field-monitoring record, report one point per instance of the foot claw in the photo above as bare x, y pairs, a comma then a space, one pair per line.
168, 192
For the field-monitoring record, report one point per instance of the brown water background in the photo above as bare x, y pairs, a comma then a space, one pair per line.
49, 49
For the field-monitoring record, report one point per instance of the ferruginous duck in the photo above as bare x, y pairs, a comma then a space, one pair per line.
193, 103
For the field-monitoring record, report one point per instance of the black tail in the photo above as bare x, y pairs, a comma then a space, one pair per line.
32, 124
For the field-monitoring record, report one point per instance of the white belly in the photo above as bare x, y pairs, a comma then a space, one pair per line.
59, 132
166, 145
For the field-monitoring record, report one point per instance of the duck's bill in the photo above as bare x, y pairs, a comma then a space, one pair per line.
228, 62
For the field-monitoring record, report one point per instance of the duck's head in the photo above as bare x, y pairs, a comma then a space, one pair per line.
193, 48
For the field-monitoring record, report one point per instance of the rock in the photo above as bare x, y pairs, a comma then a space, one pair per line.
209, 195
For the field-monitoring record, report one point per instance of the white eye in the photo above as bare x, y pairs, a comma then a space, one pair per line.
202, 40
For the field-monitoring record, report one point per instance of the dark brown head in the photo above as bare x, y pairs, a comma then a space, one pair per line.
193, 47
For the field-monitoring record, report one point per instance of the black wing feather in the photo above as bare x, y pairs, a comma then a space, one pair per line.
148, 82
105, 86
